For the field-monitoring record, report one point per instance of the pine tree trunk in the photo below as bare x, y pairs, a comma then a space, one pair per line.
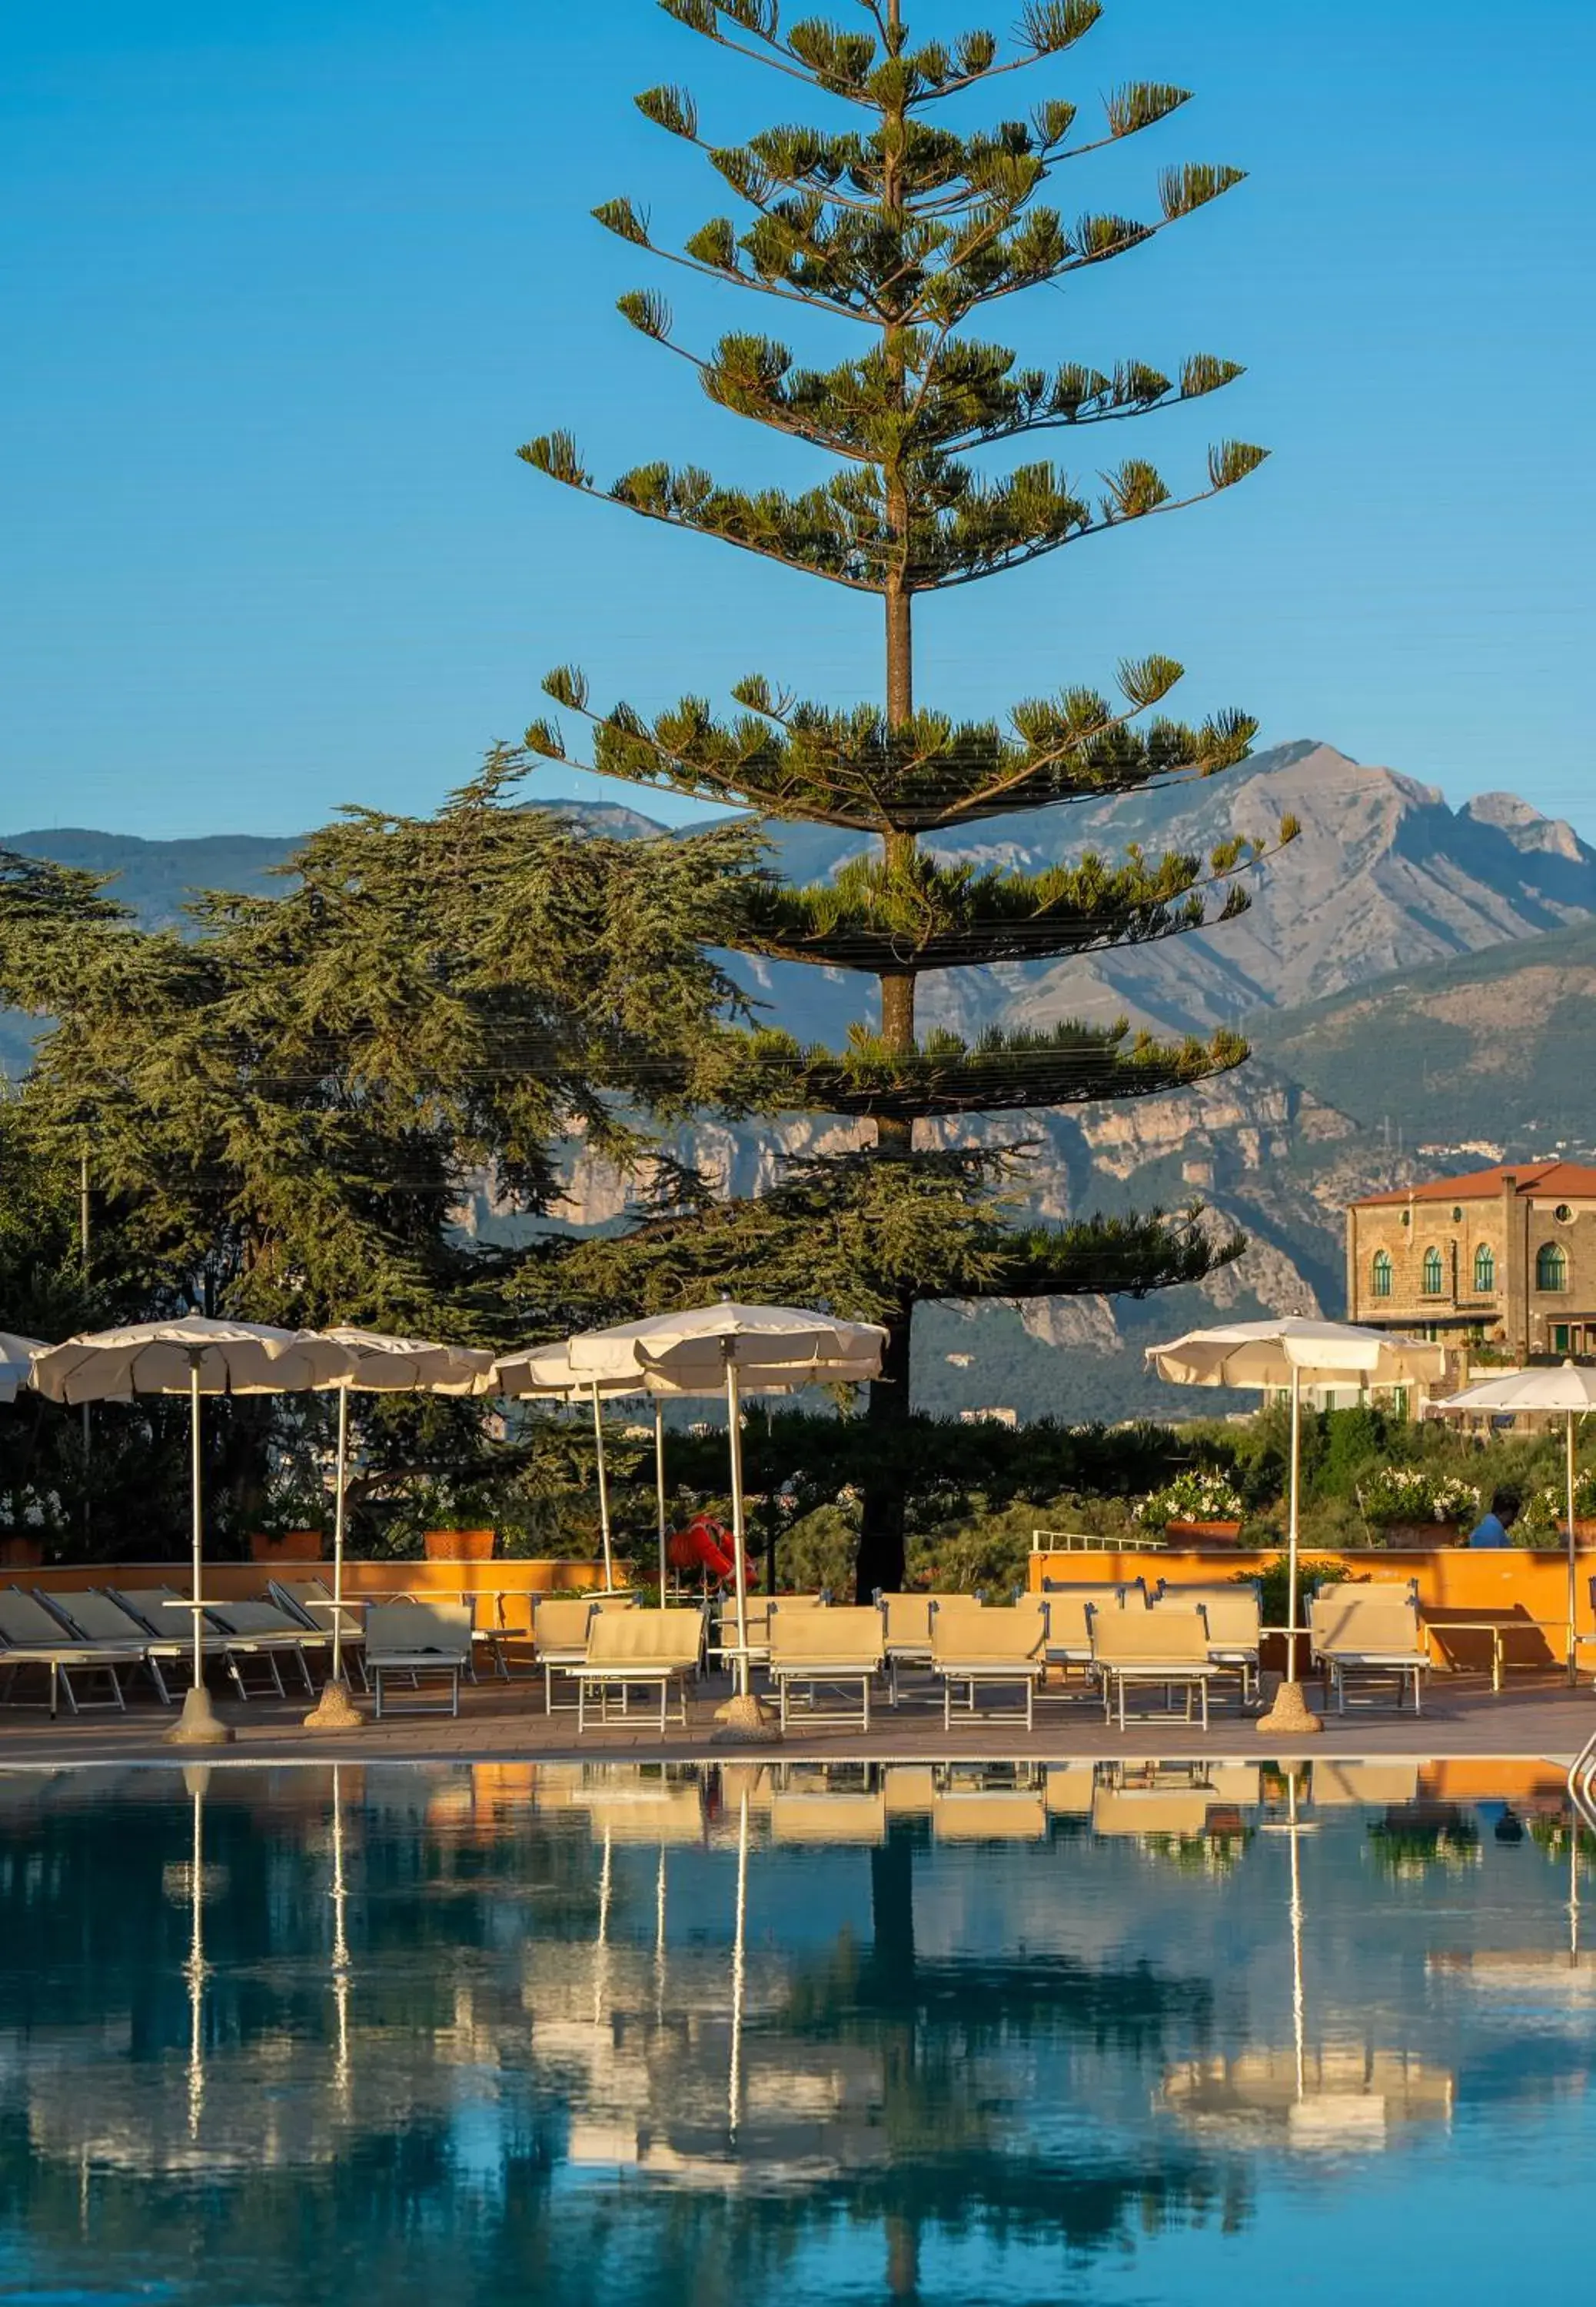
881, 1556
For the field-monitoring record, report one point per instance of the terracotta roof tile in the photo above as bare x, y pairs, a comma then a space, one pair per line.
1545, 1180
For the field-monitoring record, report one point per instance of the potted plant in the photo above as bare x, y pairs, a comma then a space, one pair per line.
1202, 1508
458, 1521
1545, 1515
1412, 1508
26, 1516
293, 1517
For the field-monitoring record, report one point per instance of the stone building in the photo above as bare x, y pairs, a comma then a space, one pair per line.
1502, 1257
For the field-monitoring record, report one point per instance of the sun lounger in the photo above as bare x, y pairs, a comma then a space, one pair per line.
1167, 1646
167, 1621
639, 1649
31, 1636
723, 1633
260, 1631
410, 1640
1069, 1626
836, 1649
560, 1624
309, 1602
99, 1617
1373, 1632
907, 1619
1234, 1613
981, 1648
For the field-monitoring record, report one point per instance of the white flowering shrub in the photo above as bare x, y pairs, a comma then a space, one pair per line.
1410, 1494
1192, 1496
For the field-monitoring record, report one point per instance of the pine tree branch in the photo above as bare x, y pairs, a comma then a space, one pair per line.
1002, 1072
852, 769
920, 915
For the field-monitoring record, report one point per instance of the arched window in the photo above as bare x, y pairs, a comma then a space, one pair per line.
1432, 1273
1485, 1271
1551, 1266
1379, 1274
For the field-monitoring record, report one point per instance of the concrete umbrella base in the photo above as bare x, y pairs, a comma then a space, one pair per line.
333, 1710
198, 1724
1289, 1715
745, 1720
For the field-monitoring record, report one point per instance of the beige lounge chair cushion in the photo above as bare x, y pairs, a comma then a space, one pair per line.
657, 1639
561, 1621
255, 1618
908, 1621
313, 1595
1069, 1624
102, 1620
28, 1625
1148, 1640
852, 1636
1015, 1634
1360, 1626
1235, 1622
405, 1630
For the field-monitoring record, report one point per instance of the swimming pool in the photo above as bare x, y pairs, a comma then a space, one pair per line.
604, 2034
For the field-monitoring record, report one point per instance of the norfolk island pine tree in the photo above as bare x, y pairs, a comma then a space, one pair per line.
885, 219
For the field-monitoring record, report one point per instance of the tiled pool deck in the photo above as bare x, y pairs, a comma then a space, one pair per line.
1537, 1716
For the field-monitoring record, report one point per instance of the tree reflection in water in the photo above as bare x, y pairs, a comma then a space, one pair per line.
454, 2036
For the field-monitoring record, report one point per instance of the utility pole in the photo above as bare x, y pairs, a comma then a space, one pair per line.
83, 1262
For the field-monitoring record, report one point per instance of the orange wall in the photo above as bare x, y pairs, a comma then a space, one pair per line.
1451, 1578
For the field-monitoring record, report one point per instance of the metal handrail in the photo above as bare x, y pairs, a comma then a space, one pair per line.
1582, 1782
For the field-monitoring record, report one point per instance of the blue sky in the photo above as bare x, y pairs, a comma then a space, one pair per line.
284, 286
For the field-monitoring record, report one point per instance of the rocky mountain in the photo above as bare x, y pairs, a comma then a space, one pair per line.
1419, 984
1383, 876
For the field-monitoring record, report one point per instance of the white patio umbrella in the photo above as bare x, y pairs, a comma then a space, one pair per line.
1569, 1390
194, 1355
1294, 1350
544, 1373
16, 1361
380, 1365
707, 1347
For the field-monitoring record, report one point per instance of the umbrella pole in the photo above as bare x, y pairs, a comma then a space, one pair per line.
743, 1715
1290, 1710
1296, 1503
1573, 1566
660, 1486
334, 1710
734, 1427
598, 1436
196, 1500
199, 1725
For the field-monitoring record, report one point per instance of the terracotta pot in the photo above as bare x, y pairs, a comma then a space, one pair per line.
459, 1545
1202, 1533
286, 1546
21, 1552
1423, 1535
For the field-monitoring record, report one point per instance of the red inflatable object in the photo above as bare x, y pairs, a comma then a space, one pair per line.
703, 1544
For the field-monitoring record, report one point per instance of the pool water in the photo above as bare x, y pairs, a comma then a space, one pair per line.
573, 2033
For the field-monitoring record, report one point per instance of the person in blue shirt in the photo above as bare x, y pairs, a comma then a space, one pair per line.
1492, 1527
